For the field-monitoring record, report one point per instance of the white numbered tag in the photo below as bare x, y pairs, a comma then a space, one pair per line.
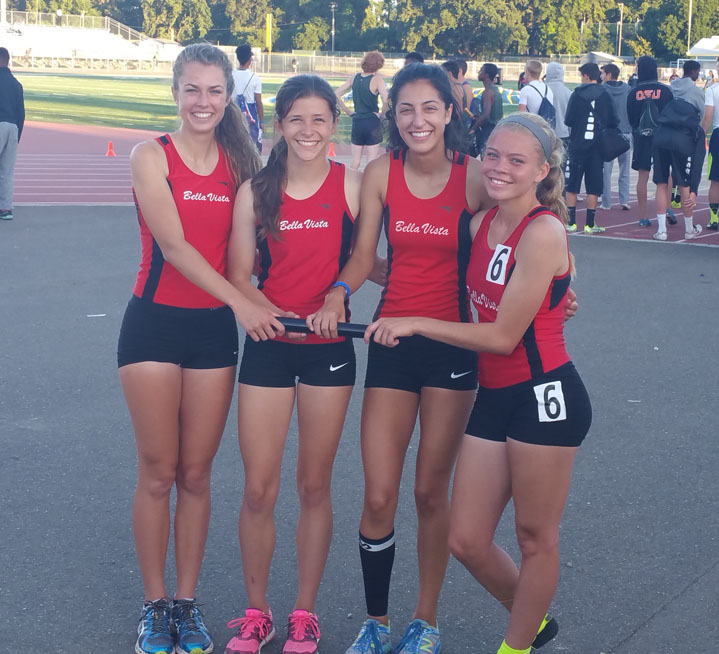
497, 269
550, 402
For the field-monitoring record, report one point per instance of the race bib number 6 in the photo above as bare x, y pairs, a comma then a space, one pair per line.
497, 269
550, 402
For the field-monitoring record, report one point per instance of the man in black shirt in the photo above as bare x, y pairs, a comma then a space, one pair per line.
12, 118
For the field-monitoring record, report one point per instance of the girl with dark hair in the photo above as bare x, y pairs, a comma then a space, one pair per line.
299, 212
177, 350
425, 193
532, 411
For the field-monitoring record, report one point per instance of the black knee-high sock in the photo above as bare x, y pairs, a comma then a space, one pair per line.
572, 215
377, 558
590, 217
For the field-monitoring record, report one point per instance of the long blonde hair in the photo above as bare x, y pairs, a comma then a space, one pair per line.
231, 133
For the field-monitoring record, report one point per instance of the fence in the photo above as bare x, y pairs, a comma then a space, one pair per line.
16, 19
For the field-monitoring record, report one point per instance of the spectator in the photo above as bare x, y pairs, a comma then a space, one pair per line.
686, 169
248, 94
12, 118
461, 78
618, 91
532, 93
492, 109
711, 119
590, 109
460, 99
413, 58
644, 104
521, 81
560, 95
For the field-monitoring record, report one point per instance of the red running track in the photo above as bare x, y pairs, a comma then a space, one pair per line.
66, 164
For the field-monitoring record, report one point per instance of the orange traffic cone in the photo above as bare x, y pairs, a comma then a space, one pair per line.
110, 150
331, 152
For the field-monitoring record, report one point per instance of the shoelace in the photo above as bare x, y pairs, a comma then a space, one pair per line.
412, 639
370, 636
157, 612
299, 625
250, 625
188, 615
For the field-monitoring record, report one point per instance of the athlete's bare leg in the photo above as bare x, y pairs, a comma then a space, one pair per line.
263, 420
357, 151
443, 417
320, 413
642, 182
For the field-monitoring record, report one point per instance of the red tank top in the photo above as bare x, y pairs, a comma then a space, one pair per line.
428, 246
542, 347
204, 204
315, 237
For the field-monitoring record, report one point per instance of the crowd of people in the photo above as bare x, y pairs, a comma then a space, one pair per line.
461, 234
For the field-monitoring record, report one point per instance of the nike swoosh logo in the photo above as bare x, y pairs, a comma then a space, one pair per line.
342, 365
325, 206
461, 374
446, 208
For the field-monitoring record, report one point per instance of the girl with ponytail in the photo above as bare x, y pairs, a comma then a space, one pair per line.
177, 351
532, 411
299, 213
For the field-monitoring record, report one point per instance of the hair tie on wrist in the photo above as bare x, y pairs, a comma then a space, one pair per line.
344, 286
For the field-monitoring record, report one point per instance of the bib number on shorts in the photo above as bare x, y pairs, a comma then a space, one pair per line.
550, 402
497, 269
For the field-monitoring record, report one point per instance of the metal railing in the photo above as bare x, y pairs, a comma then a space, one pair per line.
17, 19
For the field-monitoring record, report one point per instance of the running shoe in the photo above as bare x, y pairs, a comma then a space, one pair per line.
671, 218
625, 207
153, 631
645, 222
303, 633
546, 633
696, 230
660, 236
254, 631
713, 221
373, 638
603, 208
595, 229
676, 204
192, 634
572, 228
419, 637
5, 214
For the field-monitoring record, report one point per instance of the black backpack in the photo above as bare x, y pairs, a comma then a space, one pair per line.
648, 118
546, 108
679, 127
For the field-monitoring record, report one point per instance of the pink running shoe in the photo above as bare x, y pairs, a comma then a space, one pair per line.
303, 633
254, 631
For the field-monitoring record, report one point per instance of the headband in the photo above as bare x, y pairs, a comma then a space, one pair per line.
533, 127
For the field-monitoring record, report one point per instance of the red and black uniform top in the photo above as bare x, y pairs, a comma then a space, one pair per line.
204, 204
542, 347
298, 268
428, 246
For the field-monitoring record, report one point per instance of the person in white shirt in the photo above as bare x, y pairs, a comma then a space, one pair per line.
711, 119
248, 94
530, 97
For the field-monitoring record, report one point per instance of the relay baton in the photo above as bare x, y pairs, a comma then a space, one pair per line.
348, 329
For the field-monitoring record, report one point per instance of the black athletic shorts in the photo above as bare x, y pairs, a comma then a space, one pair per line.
417, 362
642, 152
279, 364
366, 130
587, 165
551, 410
190, 338
668, 162
714, 154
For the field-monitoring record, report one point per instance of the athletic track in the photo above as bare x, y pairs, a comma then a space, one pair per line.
62, 164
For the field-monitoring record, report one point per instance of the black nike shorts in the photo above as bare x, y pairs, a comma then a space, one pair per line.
418, 362
279, 364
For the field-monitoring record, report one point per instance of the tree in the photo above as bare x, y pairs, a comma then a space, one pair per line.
312, 35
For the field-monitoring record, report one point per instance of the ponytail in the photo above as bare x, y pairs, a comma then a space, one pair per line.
268, 185
234, 138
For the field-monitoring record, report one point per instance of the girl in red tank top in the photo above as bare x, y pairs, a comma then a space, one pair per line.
532, 410
299, 213
184, 186
424, 194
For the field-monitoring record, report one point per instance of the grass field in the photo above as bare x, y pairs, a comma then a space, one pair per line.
133, 102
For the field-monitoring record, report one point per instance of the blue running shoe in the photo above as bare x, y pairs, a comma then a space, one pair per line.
373, 638
419, 637
671, 218
192, 634
153, 632
645, 222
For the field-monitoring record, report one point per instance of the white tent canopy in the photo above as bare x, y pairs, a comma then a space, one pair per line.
706, 47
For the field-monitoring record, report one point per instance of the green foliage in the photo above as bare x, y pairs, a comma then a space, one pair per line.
312, 35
